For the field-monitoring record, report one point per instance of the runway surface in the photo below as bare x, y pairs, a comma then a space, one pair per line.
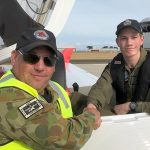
95, 69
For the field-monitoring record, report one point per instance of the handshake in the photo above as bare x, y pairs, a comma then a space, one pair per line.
79, 103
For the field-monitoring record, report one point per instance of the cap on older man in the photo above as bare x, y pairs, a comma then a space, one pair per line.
129, 23
33, 38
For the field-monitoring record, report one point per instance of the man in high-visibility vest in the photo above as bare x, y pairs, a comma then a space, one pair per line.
36, 113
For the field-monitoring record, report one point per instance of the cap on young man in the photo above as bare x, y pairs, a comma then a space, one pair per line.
33, 38
129, 23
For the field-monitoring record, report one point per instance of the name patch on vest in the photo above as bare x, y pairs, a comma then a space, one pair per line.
117, 62
30, 108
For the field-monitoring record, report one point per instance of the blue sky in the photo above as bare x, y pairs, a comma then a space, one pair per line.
94, 22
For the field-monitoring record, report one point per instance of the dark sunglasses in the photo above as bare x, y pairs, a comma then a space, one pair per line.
33, 59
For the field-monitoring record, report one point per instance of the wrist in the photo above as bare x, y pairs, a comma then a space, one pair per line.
90, 105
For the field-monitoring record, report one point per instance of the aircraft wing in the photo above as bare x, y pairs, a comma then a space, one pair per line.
121, 132
76, 74
79, 75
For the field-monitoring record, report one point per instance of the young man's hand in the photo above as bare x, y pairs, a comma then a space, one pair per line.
122, 108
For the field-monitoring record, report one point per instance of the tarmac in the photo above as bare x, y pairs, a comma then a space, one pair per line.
93, 61
93, 56
93, 68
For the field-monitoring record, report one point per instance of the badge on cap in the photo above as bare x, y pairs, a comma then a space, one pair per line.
30, 108
127, 22
41, 34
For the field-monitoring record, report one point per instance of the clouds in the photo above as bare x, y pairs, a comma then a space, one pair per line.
94, 21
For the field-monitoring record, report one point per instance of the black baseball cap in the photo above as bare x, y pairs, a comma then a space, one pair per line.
129, 23
34, 37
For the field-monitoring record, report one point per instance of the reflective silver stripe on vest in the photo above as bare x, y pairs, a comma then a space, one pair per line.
59, 92
7, 78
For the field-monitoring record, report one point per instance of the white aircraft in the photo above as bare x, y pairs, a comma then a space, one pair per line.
54, 16
122, 132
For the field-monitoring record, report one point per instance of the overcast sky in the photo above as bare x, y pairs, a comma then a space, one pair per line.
94, 22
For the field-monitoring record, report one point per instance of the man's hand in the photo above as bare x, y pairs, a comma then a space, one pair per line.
122, 108
92, 108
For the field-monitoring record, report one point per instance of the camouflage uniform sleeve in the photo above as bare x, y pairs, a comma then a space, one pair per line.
101, 92
143, 107
43, 128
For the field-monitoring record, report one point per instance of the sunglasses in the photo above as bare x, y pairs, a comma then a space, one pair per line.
33, 59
